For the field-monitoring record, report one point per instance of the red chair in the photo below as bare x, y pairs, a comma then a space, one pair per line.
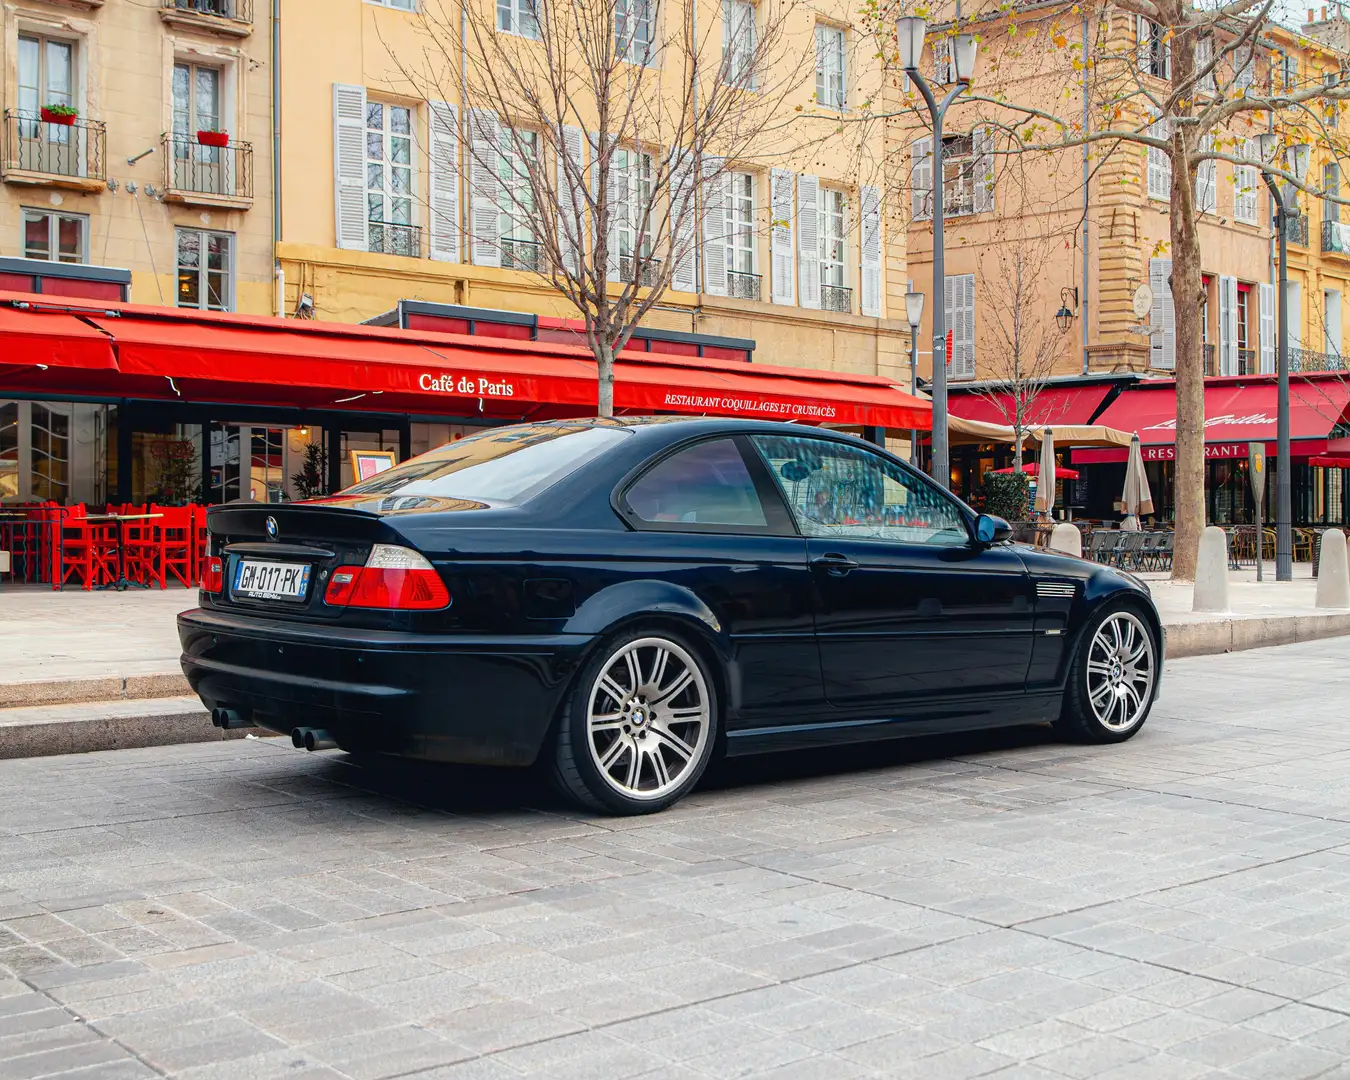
81, 547
142, 547
176, 531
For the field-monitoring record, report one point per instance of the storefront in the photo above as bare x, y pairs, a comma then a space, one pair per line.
104, 401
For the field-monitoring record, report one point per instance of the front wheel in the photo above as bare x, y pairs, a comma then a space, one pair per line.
1111, 679
638, 727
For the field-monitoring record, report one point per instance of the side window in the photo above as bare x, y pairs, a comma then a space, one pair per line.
707, 484
839, 490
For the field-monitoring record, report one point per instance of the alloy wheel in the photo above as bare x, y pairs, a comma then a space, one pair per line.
648, 718
1120, 671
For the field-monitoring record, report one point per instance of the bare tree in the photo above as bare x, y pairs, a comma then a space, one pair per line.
599, 138
1178, 86
1026, 347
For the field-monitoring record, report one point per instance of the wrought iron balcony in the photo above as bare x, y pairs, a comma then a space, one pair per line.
392, 238
70, 155
1246, 362
233, 18
208, 175
1296, 230
743, 286
521, 255
836, 298
631, 267
1309, 360
1336, 237
1211, 360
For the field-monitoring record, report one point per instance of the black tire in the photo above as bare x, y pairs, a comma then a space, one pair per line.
1079, 720
642, 727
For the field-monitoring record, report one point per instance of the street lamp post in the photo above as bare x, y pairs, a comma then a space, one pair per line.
912, 31
914, 313
1297, 157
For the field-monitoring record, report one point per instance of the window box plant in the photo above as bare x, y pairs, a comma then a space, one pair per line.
212, 137
65, 115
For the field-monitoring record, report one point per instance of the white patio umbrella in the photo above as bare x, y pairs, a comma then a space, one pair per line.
1136, 498
1045, 483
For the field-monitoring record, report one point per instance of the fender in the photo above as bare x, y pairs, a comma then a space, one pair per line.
625, 600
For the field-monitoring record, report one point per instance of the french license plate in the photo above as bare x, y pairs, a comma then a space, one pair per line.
271, 580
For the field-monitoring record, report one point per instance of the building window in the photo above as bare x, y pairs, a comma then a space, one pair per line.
1288, 70
1243, 298
55, 237
518, 17
633, 30
205, 270
47, 77
831, 68
519, 153
633, 184
1245, 184
833, 224
1155, 50
389, 180
401, 5
1331, 186
738, 43
958, 174
196, 99
740, 237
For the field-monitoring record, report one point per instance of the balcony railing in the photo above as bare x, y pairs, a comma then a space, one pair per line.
1211, 360
1336, 237
192, 168
1308, 360
1296, 230
1247, 363
520, 255
630, 267
392, 238
74, 151
743, 286
836, 298
239, 11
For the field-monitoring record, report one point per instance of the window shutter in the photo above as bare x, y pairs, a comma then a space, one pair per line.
870, 250
963, 344
1163, 340
349, 166
982, 140
1245, 179
1206, 180
821, 82
715, 180
808, 240
1228, 330
619, 189
921, 179
683, 222
1144, 43
484, 139
1204, 57
443, 184
782, 265
942, 61
1159, 164
571, 200
1265, 300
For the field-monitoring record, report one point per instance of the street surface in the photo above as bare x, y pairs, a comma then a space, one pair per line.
990, 905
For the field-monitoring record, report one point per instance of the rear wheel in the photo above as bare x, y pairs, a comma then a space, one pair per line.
638, 727
1111, 680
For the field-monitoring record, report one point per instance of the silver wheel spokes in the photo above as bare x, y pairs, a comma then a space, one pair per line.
648, 718
1120, 672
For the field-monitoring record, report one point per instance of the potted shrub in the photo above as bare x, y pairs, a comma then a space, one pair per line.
213, 137
65, 115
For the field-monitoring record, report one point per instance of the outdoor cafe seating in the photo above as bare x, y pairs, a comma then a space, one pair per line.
117, 547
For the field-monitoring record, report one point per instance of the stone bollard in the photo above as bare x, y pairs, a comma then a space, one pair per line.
1333, 575
1211, 572
1067, 538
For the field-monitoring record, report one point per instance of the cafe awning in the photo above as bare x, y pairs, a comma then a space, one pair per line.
967, 432
1052, 406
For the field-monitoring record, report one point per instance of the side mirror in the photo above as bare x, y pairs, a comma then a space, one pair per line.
992, 530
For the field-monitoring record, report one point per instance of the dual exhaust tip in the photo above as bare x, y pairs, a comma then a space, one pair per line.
228, 717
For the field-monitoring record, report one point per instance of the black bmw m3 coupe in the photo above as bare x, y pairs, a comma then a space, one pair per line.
625, 599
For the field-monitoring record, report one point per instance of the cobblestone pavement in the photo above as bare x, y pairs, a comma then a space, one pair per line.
993, 905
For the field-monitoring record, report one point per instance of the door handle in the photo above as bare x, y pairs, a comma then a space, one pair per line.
834, 564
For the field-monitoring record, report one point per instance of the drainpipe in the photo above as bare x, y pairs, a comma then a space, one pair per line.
1083, 307
278, 273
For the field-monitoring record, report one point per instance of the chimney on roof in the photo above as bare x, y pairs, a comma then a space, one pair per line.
1310, 15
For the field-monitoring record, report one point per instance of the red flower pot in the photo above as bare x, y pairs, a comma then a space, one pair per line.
49, 117
213, 138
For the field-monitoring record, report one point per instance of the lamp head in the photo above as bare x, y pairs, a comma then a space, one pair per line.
1267, 147
911, 31
963, 55
1298, 161
914, 308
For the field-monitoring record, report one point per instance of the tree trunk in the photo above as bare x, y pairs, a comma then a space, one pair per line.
604, 362
1187, 299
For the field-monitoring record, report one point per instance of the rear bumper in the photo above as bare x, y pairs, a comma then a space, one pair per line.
483, 700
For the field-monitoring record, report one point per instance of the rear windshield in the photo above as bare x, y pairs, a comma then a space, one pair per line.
506, 465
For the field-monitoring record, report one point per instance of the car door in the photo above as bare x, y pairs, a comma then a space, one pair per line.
707, 516
909, 608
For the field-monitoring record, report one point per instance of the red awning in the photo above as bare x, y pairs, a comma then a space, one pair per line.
1068, 405
34, 344
1033, 469
1330, 461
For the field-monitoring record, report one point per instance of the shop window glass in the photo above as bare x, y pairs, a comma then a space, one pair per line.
50, 427
9, 450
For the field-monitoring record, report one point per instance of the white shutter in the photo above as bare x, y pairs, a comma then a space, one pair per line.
484, 201
921, 179
808, 240
1163, 340
1265, 299
1204, 56
683, 222
571, 200
1144, 53
963, 358
1159, 164
982, 140
1228, 325
619, 188
1207, 180
349, 166
1246, 197
715, 181
869, 245
783, 287
443, 140
942, 61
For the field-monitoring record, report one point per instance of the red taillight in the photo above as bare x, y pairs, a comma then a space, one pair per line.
393, 577
213, 575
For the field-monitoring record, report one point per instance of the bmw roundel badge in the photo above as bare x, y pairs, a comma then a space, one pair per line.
271, 526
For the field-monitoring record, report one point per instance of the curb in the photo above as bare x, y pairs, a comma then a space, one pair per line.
21, 695
46, 731
1206, 638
